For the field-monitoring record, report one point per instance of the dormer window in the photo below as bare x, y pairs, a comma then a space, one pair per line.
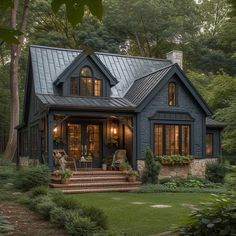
172, 94
86, 84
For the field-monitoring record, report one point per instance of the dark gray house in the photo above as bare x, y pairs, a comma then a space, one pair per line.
93, 103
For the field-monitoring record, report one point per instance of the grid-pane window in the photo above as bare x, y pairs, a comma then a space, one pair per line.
171, 139
74, 86
158, 140
185, 140
171, 94
89, 86
209, 144
97, 87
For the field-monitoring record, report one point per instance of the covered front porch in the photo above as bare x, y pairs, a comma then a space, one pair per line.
89, 138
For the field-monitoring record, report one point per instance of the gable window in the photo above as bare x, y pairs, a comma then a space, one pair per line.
209, 144
171, 139
89, 86
74, 86
172, 94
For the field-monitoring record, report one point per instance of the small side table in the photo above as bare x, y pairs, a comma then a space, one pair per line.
88, 164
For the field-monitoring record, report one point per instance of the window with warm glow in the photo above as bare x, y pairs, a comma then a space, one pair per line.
172, 94
209, 144
89, 86
171, 139
74, 86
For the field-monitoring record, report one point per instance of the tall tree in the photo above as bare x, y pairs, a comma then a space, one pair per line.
14, 83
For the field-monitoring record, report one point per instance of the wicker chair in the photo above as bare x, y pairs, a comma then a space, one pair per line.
118, 157
63, 160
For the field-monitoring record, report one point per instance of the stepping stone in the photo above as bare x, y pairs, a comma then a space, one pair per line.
138, 203
161, 206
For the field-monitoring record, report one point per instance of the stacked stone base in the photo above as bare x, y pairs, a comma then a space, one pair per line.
197, 168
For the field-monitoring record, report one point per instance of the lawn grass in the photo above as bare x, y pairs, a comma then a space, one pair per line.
134, 219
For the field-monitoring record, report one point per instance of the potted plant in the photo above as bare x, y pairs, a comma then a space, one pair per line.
132, 175
124, 166
65, 175
104, 164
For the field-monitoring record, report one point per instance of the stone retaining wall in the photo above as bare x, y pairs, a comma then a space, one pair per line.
196, 168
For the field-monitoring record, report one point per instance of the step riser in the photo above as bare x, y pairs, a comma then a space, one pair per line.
95, 185
98, 190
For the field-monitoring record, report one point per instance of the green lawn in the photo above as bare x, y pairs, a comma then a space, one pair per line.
133, 219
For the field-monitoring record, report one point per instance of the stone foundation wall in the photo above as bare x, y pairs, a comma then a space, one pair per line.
196, 168
26, 161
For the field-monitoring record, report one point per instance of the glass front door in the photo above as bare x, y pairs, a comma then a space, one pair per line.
84, 140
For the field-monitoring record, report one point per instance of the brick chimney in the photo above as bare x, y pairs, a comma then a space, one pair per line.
175, 57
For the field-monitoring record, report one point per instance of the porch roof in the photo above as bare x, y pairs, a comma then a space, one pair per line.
95, 103
210, 123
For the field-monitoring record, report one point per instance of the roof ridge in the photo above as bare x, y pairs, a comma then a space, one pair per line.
101, 53
163, 68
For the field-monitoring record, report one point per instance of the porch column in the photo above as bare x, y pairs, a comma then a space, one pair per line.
134, 157
50, 141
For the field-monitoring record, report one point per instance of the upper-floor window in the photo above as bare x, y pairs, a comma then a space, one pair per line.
86, 84
172, 94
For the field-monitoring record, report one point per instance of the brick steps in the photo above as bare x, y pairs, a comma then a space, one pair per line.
95, 184
92, 179
95, 181
97, 190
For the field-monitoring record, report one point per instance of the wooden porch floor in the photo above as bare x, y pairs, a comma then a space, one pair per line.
95, 180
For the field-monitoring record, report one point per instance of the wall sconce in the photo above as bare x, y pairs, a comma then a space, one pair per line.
114, 129
55, 130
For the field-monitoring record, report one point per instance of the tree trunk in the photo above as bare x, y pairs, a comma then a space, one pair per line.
14, 84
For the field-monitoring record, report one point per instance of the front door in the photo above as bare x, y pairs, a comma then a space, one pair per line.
84, 140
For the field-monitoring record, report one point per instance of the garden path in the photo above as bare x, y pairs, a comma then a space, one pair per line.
27, 222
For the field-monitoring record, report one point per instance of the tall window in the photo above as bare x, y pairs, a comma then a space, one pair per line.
209, 144
171, 139
74, 86
172, 94
86, 84
89, 86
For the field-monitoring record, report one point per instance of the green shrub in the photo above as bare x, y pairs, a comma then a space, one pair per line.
170, 185
215, 172
44, 208
38, 199
58, 216
67, 202
34, 176
217, 218
151, 170
39, 190
4, 225
76, 225
158, 188
174, 159
230, 178
96, 215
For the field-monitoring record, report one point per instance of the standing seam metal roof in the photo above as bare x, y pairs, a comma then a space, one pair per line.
143, 86
100, 103
48, 63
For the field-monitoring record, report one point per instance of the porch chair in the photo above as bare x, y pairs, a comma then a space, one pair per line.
62, 159
118, 157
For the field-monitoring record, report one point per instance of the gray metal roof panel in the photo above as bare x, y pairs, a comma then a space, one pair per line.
48, 63
214, 123
143, 86
86, 102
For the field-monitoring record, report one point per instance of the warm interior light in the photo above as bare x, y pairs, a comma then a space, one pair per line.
55, 130
115, 131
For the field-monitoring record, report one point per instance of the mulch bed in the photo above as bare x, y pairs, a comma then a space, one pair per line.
27, 222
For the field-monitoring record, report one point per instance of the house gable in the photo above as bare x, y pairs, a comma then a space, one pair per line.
62, 83
141, 96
